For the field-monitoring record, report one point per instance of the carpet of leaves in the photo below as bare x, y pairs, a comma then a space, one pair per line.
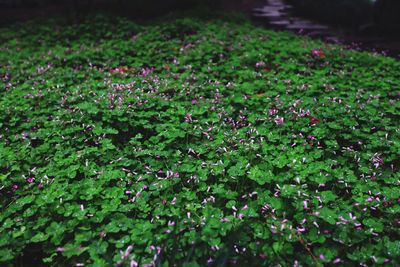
194, 142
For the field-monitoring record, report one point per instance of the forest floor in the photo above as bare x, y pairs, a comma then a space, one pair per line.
194, 140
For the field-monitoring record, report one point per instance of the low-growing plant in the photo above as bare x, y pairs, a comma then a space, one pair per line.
192, 142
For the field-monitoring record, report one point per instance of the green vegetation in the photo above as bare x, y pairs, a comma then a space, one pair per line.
194, 142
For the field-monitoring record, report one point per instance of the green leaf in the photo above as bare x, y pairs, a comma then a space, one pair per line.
39, 237
328, 215
259, 176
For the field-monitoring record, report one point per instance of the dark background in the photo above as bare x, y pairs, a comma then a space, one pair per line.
377, 16
17, 10
385, 13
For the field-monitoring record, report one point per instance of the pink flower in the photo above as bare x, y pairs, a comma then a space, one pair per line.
133, 263
279, 120
318, 53
312, 138
301, 229
173, 202
30, 180
194, 101
336, 261
187, 46
377, 161
121, 70
260, 64
188, 117
272, 111
305, 205
146, 71
125, 254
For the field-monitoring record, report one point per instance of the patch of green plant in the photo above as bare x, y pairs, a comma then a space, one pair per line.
194, 142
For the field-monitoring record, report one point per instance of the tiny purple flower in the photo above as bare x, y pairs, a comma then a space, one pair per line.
279, 120
272, 111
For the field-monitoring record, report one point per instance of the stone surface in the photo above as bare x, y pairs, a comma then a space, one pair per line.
305, 26
280, 22
270, 14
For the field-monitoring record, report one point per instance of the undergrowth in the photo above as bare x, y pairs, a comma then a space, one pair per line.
194, 142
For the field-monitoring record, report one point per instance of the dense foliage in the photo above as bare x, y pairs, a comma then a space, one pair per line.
194, 142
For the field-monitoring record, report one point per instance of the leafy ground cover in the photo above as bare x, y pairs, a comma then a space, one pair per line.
194, 142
